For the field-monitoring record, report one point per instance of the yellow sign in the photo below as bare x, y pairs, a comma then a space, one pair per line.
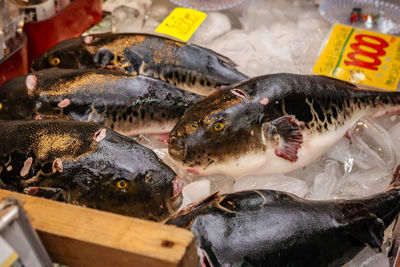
361, 56
181, 23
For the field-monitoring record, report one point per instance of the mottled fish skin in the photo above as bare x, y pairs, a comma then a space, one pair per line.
86, 164
188, 66
127, 104
271, 124
273, 228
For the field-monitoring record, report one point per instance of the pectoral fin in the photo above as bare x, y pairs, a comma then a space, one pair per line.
134, 60
103, 57
287, 128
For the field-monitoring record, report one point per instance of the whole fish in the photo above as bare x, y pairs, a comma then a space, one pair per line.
127, 104
188, 66
271, 124
86, 164
272, 228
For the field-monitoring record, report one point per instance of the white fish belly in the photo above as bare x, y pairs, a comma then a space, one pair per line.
313, 147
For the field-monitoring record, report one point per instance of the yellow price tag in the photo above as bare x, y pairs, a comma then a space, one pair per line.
181, 23
361, 56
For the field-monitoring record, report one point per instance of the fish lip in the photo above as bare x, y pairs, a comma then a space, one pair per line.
177, 152
176, 202
34, 66
177, 185
177, 197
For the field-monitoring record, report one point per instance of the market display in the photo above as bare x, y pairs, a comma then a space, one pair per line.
86, 164
279, 169
188, 66
127, 104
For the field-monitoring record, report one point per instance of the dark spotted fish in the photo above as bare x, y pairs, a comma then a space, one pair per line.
188, 66
86, 164
127, 104
272, 228
271, 124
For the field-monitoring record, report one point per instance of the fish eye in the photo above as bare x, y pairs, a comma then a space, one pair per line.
148, 177
122, 184
218, 126
54, 61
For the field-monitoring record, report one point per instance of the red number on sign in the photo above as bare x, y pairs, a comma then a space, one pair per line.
379, 51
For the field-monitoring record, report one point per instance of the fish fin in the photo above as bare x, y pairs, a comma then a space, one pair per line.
134, 60
115, 68
198, 204
289, 131
53, 193
369, 230
45, 117
337, 81
103, 57
225, 60
239, 92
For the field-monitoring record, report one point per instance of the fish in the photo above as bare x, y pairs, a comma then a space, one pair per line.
89, 165
128, 104
271, 124
274, 228
187, 66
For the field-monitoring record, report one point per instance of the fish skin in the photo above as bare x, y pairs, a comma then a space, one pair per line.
273, 228
63, 161
271, 124
187, 66
127, 104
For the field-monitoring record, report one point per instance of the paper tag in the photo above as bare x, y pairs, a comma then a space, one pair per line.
181, 23
360, 56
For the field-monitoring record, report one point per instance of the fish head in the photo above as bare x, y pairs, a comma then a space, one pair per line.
131, 180
69, 54
215, 131
15, 100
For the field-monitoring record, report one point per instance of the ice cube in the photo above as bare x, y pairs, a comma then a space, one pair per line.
369, 258
234, 40
197, 190
220, 183
140, 5
126, 19
309, 172
213, 26
363, 183
274, 181
387, 122
325, 183
394, 134
159, 10
374, 141
186, 200
337, 152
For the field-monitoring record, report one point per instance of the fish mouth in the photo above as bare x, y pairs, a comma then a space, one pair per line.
176, 148
177, 198
36, 65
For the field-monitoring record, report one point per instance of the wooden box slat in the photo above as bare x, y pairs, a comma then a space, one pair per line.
78, 236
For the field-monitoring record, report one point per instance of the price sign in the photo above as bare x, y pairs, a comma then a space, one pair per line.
361, 56
181, 23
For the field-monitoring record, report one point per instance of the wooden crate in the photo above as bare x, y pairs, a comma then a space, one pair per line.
78, 236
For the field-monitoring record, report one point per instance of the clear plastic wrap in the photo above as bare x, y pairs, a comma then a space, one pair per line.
376, 15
